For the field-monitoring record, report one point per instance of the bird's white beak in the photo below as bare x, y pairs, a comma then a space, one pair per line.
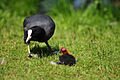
29, 35
28, 38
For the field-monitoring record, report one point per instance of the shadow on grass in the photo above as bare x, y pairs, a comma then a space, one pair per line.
43, 51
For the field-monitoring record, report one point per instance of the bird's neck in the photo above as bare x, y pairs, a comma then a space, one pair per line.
66, 52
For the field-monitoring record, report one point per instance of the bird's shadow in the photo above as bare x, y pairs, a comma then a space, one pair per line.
43, 51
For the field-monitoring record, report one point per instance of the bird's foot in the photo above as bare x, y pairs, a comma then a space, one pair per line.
30, 55
33, 55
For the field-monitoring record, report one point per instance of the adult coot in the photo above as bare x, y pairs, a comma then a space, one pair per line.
39, 28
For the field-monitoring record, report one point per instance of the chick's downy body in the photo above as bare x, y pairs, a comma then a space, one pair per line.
66, 58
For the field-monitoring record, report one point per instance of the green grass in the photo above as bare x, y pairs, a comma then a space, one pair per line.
94, 41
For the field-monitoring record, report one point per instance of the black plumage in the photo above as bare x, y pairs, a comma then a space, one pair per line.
42, 27
67, 59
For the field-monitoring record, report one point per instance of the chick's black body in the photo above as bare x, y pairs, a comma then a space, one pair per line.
67, 59
42, 27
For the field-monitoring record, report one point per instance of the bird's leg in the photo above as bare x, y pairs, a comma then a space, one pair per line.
28, 49
48, 46
51, 48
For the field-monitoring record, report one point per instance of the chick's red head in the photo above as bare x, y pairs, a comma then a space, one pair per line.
63, 50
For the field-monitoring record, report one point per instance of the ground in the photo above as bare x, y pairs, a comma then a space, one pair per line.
94, 41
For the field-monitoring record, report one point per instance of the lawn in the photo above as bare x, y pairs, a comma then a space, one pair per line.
94, 41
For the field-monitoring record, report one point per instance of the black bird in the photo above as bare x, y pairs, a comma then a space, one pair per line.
38, 27
66, 58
